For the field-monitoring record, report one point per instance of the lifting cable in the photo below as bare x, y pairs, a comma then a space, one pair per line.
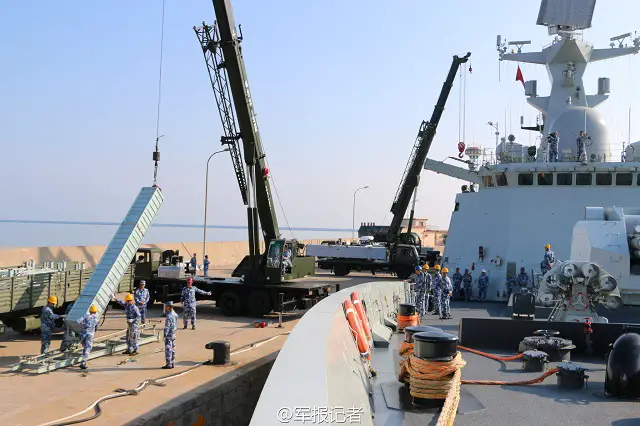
156, 153
146, 383
278, 196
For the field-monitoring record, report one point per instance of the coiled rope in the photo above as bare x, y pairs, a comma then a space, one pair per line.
432, 379
405, 321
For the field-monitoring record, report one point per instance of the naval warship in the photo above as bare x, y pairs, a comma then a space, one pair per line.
366, 354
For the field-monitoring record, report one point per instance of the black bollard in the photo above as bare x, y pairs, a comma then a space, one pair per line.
221, 352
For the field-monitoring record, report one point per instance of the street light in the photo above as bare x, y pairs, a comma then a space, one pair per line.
353, 223
206, 194
496, 126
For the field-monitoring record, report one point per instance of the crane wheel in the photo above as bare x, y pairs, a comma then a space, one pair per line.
341, 270
259, 303
230, 303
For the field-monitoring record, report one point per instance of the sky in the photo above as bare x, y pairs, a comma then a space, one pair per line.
340, 89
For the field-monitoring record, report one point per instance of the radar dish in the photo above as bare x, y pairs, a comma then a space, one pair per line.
574, 14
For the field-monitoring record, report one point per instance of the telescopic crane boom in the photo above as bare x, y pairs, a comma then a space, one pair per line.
223, 55
411, 177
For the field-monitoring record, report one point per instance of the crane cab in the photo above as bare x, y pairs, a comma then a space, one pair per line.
277, 267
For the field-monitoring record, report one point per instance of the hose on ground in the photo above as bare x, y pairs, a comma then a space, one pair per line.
155, 382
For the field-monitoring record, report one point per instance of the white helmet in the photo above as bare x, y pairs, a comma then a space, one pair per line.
484, 271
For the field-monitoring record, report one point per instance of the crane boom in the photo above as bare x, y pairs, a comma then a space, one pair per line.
426, 133
223, 54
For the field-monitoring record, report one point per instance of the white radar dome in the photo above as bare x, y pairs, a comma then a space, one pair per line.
577, 118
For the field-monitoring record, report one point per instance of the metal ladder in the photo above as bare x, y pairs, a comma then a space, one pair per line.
116, 259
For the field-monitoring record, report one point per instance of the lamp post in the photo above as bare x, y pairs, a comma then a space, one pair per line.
496, 126
206, 194
353, 223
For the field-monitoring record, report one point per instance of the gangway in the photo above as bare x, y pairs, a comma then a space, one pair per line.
117, 258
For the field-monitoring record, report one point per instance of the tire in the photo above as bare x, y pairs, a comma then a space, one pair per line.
259, 303
341, 270
403, 273
229, 303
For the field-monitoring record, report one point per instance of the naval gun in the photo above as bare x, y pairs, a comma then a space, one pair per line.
574, 289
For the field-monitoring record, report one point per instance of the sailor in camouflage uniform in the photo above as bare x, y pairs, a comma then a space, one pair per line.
511, 283
483, 284
428, 282
446, 291
456, 278
141, 296
437, 291
188, 298
170, 335
89, 326
419, 288
549, 259
69, 335
467, 279
48, 323
133, 331
523, 279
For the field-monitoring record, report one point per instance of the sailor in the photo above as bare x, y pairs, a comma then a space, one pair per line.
141, 296
193, 263
446, 289
523, 279
547, 261
437, 291
286, 260
69, 335
511, 283
133, 314
48, 323
188, 297
552, 144
206, 265
467, 279
89, 326
582, 146
170, 335
428, 283
457, 282
419, 288
483, 284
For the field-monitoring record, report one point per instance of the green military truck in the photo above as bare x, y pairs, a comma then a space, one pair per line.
165, 278
22, 297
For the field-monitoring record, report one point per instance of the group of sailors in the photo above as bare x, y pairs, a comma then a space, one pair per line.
437, 287
582, 142
135, 306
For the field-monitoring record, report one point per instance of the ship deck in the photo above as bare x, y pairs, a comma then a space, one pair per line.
495, 405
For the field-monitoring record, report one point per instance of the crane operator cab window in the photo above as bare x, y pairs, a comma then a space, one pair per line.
276, 254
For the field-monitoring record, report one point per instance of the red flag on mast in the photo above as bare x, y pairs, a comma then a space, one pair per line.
519, 76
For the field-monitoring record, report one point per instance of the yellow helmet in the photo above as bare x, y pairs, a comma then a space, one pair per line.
437, 267
445, 270
93, 309
425, 267
129, 297
52, 299
547, 246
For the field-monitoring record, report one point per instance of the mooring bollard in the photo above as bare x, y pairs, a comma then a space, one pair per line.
221, 352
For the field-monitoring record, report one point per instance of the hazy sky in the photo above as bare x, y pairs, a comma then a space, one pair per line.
340, 89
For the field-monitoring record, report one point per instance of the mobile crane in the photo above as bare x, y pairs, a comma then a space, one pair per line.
264, 277
402, 248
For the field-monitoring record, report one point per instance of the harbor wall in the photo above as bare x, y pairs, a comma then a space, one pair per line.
222, 254
228, 400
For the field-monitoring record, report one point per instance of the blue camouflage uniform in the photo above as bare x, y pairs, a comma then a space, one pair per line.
170, 337
483, 284
89, 326
552, 142
511, 283
523, 279
420, 289
582, 152
437, 293
132, 313
188, 298
428, 286
467, 279
141, 297
206, 266
69, 335
446, 288
545, 265
456, 278
47, 324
